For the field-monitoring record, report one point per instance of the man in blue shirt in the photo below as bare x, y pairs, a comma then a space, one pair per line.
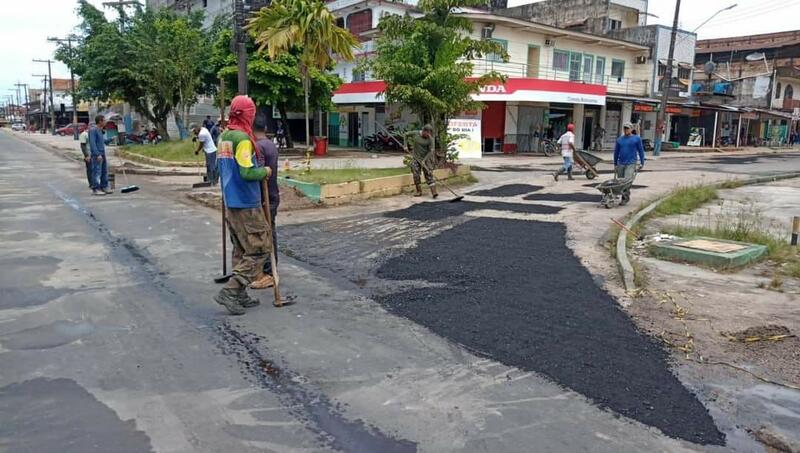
97, 145
626, 151
268, 157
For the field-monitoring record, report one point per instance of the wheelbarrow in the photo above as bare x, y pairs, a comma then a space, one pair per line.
588, 162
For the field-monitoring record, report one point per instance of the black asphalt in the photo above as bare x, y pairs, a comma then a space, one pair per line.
444, 209
509, 190
515, 293
566, 197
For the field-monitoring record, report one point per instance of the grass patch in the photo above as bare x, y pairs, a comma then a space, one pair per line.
732, 184
173, 151
685, 200
335, 176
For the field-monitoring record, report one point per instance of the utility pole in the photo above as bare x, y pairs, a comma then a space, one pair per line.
239, 40
24, 87
69, 40
52, 106
662, 114
44, 96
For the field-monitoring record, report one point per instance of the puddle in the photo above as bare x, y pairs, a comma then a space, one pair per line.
47, 336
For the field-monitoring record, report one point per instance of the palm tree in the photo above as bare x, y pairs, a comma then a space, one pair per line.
308, 25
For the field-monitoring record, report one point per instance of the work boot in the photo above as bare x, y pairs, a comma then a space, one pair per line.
569, 175
98, 192
434, 193
418, 192
264, 282
232, 300
557, 174
107, 191
249, 302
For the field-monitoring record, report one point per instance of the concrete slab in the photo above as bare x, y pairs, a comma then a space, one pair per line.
709, 252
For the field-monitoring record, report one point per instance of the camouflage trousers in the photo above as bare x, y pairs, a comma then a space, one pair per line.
252, 244
417, 168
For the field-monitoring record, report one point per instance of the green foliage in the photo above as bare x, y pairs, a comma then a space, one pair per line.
425, 63
173, 151
685, 200
306, 29
151, 59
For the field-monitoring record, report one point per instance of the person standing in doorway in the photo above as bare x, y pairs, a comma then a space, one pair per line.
241, 189
659, 139
628, 148
567, 142
97, 147
83, 139
268, 157
421, 148
206, 143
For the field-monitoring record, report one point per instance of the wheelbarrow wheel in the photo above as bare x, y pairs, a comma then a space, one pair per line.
590, 174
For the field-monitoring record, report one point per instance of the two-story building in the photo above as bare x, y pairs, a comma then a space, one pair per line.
757, 75
555, 77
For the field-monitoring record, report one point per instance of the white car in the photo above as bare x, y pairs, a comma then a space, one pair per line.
18, 127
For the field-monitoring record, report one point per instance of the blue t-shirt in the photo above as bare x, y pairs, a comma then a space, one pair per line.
627, 149
235, 150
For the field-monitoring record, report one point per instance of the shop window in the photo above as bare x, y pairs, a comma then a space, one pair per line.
561, 60
494, 56
617, 69
778, 91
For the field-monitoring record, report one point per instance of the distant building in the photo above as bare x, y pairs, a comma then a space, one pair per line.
758, 74
589, 16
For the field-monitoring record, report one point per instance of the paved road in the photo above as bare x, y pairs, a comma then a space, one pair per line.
109, 341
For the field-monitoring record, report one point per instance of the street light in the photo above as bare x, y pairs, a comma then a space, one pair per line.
727, 8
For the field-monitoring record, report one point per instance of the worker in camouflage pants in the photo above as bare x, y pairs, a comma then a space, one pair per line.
420, 145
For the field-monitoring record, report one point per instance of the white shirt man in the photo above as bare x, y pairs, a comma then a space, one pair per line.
206, 143
567, 142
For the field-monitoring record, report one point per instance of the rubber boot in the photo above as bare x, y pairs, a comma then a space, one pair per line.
569, 174
418, 192
249, 302
434, 193
557, 174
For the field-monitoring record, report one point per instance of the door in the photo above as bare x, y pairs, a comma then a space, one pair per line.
352, 129
533, 62
588, 65
600, 71
575, 66
588, 124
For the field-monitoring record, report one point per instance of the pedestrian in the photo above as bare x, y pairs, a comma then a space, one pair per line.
206, 143
268, 157
658, 140
97, 147
627, 149
208, 123
83, 139
567, 142
217, 130
241, 190
421, 148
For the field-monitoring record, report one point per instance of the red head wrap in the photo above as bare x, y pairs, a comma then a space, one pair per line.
242, 115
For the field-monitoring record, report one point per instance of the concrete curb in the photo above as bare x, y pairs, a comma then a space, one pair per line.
623, 261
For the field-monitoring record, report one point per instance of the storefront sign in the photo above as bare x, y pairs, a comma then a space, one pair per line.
468, 146
675, 110
645, 108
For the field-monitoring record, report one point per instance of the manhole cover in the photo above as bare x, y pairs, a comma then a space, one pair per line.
711, 246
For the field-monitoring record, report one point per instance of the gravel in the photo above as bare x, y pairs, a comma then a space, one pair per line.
515, 293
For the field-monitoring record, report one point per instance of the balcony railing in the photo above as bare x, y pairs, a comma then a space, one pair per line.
616, 85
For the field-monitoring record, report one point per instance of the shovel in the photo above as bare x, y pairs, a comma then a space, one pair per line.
205, 183
225, 275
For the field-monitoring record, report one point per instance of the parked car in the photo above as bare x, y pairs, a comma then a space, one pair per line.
70, 130
18, 127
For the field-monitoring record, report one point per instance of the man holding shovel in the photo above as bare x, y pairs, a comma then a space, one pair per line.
420, 145
241, 188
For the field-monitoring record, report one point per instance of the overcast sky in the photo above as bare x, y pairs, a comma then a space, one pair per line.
26, 24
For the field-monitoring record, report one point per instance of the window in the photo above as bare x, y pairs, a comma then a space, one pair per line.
561, 60
615, 24
600, 70
497, 57
340, 22
359, 76
205, 3
684, 73
789, 93
778, 91
617, 69
574, 66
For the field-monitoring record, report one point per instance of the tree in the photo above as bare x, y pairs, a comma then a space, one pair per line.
275, 82
150, 60
425, 62
308, 27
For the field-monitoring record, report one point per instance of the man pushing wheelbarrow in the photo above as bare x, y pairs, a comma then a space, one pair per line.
628, 148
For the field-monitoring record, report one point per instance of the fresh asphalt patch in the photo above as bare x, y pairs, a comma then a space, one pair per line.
444, 209
567, 197
510, 190
515, 293
595, 184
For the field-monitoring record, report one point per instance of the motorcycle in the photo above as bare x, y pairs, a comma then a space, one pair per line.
152, 137
382, 141
648, 144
